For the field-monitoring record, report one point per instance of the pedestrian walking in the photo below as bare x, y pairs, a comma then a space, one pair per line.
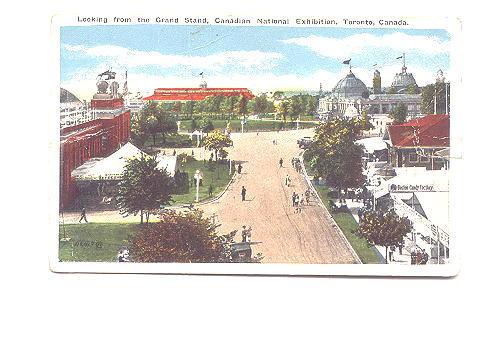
302, 200
83, 216
293, 199
281, 162
308, 196
243, 193
287, 180
391, 251
239, 168
244, 234
297, 204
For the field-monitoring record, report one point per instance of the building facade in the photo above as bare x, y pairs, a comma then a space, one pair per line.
106, 130
418, 142
350, 93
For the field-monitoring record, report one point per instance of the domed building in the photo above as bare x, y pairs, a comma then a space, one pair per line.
350, 86
403, 81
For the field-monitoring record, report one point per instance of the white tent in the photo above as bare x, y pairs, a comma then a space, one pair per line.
112, 167
372, 144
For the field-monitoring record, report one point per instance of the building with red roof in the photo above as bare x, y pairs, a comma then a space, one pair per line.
416, 142
196, 94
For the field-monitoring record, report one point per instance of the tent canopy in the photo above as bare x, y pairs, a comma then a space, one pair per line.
112, 167
372, 144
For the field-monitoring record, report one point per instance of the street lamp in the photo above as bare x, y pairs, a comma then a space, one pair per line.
242, 125
198, 176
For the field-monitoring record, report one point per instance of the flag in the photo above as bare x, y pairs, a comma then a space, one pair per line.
346, 62
200, 74
374, 65
400, 57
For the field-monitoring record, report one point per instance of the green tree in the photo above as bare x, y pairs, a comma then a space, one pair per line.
216, 141
383, 228
436, 90
143, 188
181, 237
206, 125
296, 107
334, 155
399, 113
241, 107
184, 238
283, 109
166, 124
139, 128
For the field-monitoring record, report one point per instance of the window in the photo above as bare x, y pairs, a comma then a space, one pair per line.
413, 158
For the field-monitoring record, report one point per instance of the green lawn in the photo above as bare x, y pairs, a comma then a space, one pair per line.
218, 177
251, 125
171, 141
94, 241
348, 225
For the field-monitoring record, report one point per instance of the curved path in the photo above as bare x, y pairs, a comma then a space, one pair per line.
285, 236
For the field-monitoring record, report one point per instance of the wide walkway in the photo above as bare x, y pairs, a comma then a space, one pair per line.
285, 236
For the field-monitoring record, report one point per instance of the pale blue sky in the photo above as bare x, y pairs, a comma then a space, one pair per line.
266, 57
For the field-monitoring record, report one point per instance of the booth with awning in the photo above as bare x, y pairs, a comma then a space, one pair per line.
113, 166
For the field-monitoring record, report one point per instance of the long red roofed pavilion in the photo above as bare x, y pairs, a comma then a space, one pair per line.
196, 94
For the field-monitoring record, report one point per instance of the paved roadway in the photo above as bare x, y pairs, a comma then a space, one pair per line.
285, 236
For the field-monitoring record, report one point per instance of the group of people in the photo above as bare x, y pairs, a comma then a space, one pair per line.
419, 257
296, 164
299, 200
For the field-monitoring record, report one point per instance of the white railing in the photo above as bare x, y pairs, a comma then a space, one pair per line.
426, 227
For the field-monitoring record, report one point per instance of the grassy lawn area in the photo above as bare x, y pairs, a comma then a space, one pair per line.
218, 177
348, 225
94, 241
172, 141
251, 125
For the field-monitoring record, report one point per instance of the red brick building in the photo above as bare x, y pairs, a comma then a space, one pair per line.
104, 134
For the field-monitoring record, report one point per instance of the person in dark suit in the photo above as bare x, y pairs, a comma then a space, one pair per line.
83, 216
243, 193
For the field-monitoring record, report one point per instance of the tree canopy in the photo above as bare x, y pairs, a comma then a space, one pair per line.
383, 228
399, 113
183, 237
143, 188
334, 155
154, 119
438, 90
216, 141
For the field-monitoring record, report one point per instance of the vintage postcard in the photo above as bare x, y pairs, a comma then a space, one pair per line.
257, 145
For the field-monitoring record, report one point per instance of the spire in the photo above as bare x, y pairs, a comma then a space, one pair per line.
404, 68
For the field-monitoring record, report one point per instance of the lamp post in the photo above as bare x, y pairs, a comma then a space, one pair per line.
198, 176
242, 125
